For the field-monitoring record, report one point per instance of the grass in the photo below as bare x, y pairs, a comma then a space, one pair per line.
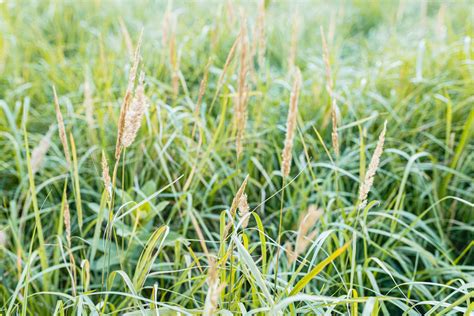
165, 235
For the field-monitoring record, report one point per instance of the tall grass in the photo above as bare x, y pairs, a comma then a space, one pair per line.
251, 171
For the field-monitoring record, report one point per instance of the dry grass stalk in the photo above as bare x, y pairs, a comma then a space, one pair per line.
61, 128
229, 6
126, 37
88, 103
106, 176
372, 169
244, 210
215, 289
174, 60
198, 229
228, 60
165, 27
440, 23
294, 42
242, 93
128, 98
260, 33
305, 237
291, 124
202, 90
39, 152
135, 112
330, 88
67, 224
202, 87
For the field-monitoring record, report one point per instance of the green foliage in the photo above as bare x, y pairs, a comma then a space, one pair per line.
146, 244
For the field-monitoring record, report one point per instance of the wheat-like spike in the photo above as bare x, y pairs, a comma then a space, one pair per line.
293, 42
106, 175
61, 128
244, 210
214, 290
330, 88
242, 94
372, 169
291, 124
126, 37
128, 97
134, 115
39, 152
88, 103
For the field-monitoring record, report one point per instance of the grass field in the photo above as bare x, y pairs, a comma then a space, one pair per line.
221, 157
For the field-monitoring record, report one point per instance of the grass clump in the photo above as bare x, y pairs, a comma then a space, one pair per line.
260, 166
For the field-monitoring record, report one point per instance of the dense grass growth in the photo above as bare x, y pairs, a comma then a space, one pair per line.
194, 215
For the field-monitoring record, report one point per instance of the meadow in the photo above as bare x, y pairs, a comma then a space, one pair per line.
236, 157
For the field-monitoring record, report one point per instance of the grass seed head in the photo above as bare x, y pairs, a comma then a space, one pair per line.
128, 97
291, 124
39, 152
61, 128
372, 169
106, 175
244, 210
135, 112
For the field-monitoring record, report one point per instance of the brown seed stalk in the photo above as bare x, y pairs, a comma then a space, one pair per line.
291, 124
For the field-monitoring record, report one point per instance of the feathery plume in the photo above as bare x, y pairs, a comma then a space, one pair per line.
242, 94
134, 115
304, 237
372, 169
128, 98
106, 176
39, 152
291, 124
61, 128
214, 290
329, 86
244, 210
